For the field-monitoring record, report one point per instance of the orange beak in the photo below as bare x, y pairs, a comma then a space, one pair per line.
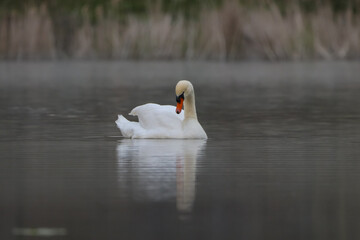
179, 106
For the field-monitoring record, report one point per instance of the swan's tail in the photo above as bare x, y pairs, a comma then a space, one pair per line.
126, 127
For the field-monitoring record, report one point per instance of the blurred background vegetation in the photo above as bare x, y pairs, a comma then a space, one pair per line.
188, 8
180, 29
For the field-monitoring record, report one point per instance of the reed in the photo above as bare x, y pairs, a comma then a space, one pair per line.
28, 35
229, 32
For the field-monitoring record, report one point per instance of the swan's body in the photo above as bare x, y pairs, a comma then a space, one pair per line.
165, 121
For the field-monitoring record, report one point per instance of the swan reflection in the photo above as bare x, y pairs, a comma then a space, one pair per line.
157, 170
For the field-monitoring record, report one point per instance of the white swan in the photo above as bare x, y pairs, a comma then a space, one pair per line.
156, 121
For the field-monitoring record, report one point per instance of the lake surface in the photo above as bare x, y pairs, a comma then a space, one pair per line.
282, 160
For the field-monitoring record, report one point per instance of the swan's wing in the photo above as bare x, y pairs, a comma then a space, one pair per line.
126, 127
154, 116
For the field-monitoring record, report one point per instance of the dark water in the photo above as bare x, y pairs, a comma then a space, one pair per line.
282, 160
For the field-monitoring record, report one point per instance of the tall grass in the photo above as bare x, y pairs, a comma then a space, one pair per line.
229, 32
28, 35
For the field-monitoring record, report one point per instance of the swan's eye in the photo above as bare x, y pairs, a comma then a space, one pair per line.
179, 97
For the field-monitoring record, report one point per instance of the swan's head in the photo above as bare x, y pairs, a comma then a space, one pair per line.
183, 89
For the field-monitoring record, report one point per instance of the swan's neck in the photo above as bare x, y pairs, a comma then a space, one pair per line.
189, 106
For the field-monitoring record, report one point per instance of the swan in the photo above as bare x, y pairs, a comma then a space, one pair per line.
165, 121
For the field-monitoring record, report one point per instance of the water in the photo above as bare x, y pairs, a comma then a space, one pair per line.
281, 161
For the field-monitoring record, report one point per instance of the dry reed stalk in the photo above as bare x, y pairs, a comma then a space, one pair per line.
336, 37
28, 36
